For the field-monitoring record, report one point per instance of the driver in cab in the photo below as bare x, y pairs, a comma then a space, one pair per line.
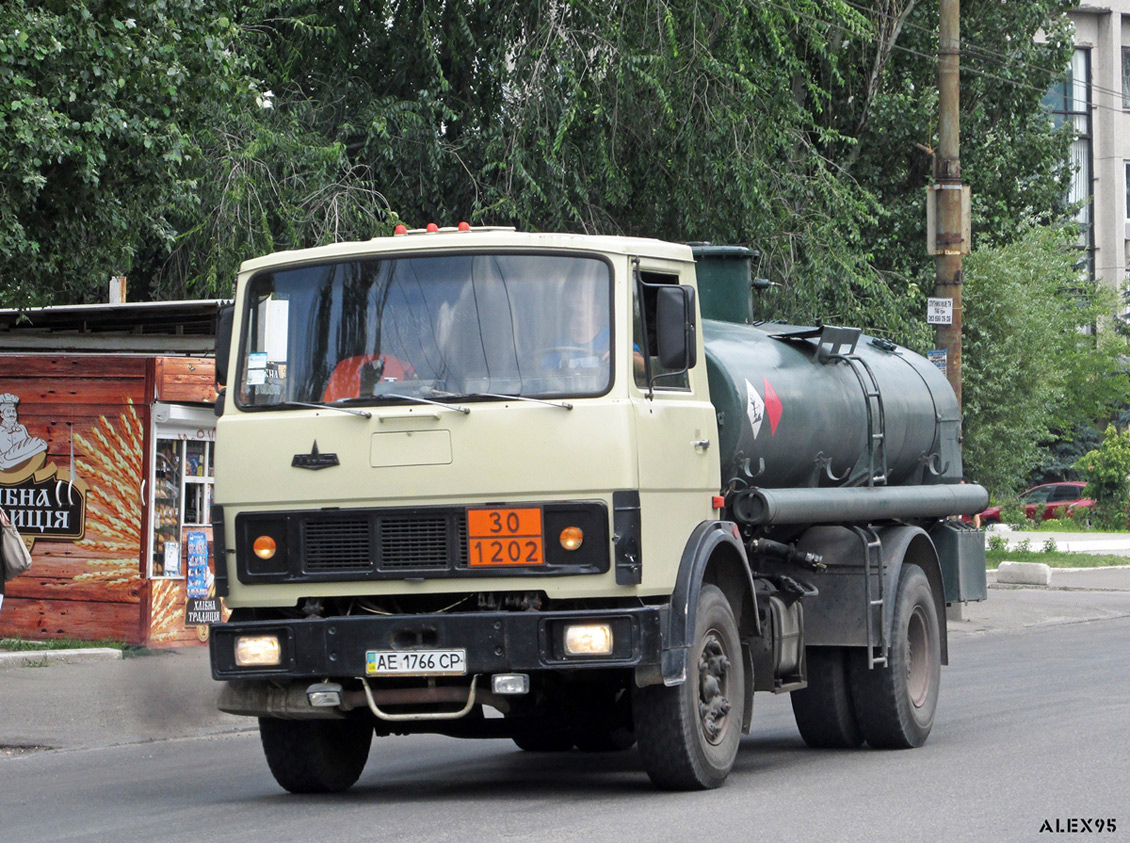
583, 341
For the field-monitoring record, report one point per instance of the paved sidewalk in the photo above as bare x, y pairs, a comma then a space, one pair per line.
169, 694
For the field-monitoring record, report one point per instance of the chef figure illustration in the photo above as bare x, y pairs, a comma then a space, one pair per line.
17, 446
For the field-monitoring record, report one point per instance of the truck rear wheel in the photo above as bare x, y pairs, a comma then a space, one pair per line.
824, 712
315, 756
689, 734
895, 705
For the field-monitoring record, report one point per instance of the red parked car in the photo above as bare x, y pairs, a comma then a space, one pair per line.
1051, 500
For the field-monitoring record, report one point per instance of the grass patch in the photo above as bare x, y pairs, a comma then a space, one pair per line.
20, 645
1057, 559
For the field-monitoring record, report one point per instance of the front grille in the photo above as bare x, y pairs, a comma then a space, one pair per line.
384, 542
417, 543
337, 546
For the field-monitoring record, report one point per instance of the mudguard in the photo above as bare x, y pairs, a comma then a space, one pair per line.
837, 618
700, 549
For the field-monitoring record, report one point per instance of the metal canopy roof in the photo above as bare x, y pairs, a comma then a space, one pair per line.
181, 327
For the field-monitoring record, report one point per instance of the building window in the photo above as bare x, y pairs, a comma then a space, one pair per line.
1126, 77
1069, 101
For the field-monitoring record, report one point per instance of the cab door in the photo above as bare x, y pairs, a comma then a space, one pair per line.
676, 433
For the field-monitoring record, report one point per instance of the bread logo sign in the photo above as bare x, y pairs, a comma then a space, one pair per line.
43, 500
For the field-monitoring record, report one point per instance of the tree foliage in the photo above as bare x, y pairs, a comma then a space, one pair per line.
97, 118
1029, 371
172, 140
1012, 156
1107, 470
791, 127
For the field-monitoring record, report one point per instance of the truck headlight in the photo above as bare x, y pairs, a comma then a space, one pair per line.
258, 650
591, 639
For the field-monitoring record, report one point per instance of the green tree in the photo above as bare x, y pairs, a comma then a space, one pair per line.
97, 119
370, 112
886, 109
1029, 370
1107, 470
677, 120
693, 121
789, 127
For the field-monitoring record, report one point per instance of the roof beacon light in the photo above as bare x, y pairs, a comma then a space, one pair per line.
432, 228
464, 226
400, 229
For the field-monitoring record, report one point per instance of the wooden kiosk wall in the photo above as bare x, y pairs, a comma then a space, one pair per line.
94, 413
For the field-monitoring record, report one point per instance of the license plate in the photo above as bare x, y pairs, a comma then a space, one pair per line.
505, 537
415, 662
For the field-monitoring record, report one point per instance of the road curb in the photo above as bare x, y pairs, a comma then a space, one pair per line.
43, 658
1024, 573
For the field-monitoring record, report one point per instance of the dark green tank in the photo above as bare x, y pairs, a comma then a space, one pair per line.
808, 407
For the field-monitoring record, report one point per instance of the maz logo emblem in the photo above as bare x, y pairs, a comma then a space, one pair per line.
314, 460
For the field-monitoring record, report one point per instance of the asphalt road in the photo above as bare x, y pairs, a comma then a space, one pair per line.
1032, 726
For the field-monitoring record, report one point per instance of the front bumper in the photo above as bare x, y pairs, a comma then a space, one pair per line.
496, 642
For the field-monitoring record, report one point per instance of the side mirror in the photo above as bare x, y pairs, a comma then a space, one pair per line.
225, 316
676, 328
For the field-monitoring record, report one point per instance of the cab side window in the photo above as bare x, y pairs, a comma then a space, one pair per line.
645, 349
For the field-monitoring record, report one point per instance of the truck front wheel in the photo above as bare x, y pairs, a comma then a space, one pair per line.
688, 735
315, 756
895, 705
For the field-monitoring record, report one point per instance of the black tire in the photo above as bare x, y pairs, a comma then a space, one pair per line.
689, 734
895, 705
315, 756
824, 712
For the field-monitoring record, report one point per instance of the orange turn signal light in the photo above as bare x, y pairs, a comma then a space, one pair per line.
571, 538
264, 547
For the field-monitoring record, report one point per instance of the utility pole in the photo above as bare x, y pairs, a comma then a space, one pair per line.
951, 202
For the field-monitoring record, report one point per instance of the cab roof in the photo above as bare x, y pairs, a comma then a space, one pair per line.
475, 239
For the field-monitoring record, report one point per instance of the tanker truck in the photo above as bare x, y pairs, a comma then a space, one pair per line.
568, 491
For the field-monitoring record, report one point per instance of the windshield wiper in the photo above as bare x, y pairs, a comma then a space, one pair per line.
365, 414
381, 396
564, 405
416, 398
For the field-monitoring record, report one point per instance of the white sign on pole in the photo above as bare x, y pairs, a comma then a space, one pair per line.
939, 311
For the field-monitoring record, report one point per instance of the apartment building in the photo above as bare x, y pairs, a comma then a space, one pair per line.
1096, 98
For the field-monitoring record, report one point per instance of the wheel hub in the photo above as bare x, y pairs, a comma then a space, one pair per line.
713, 672
918, 665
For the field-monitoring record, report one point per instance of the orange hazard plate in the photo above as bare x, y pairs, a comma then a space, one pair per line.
505, 537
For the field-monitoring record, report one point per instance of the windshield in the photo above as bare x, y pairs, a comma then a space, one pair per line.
424, 327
